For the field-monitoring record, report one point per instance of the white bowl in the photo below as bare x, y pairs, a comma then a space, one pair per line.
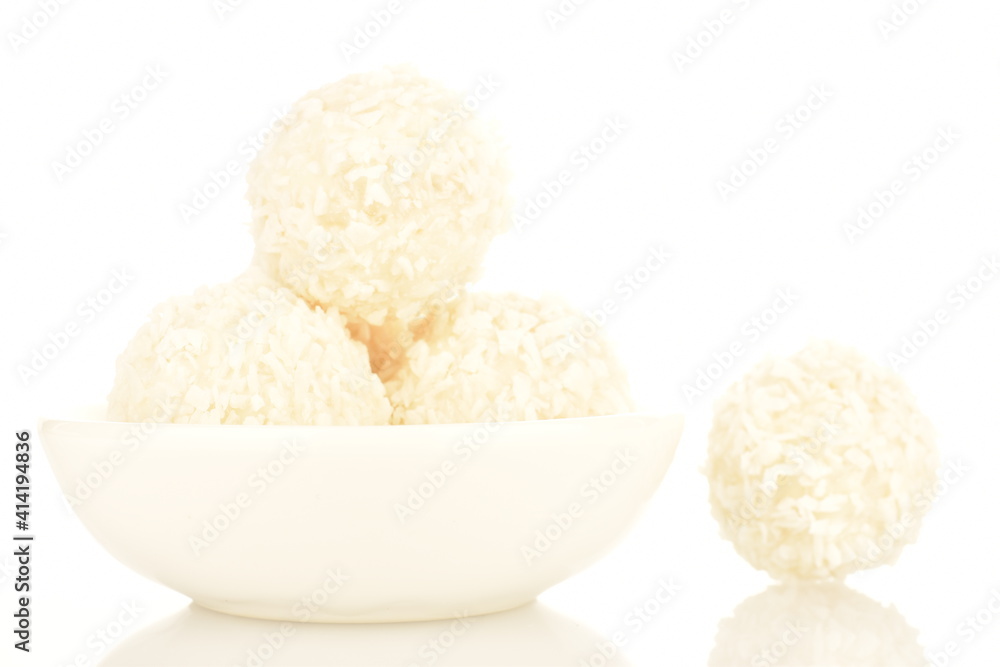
304, 523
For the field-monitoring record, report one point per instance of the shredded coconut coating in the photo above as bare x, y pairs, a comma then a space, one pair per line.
820, 464
381, 191
821, 625
511, 356
246, 352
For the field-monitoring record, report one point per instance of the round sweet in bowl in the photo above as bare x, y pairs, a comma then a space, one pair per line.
361, 523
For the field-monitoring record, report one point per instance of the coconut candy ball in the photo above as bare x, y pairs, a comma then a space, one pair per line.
816, 624
378, 190
246, 352
509, 356
820, 464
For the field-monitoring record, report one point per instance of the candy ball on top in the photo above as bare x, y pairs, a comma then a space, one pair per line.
246, 352
377, 190
820, 464
510, 358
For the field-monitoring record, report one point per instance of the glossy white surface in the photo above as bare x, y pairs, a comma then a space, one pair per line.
529, 636
787, 624
361, 524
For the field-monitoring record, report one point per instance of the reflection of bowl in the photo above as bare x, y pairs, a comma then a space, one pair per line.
533, 635
361, 523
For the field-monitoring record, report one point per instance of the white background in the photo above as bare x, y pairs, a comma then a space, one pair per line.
686, 129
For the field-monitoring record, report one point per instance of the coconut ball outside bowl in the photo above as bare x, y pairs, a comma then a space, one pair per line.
246, 352
820, 464
379, 192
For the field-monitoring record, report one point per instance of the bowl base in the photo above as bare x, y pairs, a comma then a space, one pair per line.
268, 612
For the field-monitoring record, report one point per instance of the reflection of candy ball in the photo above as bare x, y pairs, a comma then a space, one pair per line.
820, 625
381, 191
511, 356
245, 353
820, 464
